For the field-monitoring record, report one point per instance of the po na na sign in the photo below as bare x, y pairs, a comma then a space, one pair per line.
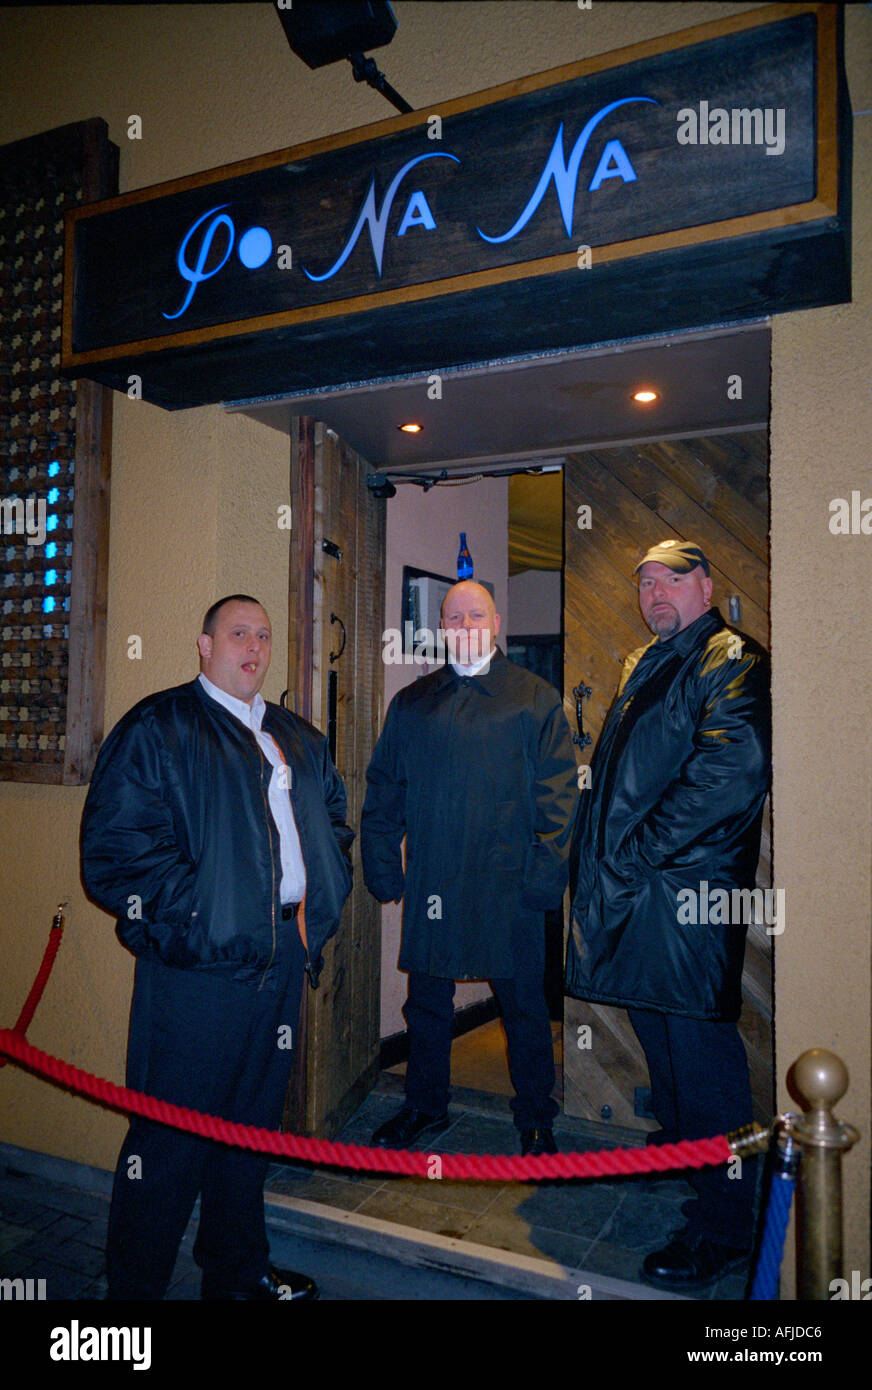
683, 181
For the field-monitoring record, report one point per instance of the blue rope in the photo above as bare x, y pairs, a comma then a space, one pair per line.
765, 1284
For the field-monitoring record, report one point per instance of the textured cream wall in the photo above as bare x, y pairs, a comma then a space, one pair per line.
194, 498
821, 427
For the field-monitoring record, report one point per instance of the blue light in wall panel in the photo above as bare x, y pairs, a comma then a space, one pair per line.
51, 550
54, 468
51, 576
52, 522
48, 605
53, 495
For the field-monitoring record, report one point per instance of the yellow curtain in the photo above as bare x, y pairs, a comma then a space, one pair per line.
535, 521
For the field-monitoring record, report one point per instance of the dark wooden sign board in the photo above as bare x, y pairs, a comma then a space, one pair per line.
707, 172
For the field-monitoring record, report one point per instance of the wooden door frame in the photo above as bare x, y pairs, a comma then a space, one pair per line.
301, 619
324, 475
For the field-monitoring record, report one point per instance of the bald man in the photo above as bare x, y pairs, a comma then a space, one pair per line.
475, 769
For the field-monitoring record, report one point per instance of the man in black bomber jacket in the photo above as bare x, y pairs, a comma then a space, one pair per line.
214, 830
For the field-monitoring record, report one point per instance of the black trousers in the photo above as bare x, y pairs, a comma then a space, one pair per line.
212, 1044
700, 1088
429, 1014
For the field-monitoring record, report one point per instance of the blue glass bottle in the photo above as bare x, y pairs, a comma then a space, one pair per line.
464, 559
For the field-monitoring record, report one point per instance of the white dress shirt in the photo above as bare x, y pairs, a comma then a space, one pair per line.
293, 885
476, 666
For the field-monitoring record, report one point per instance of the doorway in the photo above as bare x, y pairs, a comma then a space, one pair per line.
575, 535
644, 478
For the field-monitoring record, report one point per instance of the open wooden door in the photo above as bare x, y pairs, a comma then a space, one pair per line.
335, 679
713, 490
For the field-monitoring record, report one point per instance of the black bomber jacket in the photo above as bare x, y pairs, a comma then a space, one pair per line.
179, 844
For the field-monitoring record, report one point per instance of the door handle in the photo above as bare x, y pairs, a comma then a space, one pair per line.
334, 656
581, 693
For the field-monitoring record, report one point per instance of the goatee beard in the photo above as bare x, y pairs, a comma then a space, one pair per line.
669, 625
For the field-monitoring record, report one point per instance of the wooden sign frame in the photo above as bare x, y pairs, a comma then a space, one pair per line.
765, 261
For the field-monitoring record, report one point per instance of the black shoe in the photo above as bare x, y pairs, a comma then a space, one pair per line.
407, 1126
278, 1285
691, 1262
537, 1141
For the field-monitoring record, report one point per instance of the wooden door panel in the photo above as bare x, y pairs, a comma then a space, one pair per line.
609, 1066
699, 477
339, 562
637, 470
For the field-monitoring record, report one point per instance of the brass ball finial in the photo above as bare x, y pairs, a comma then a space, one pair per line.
820, 1077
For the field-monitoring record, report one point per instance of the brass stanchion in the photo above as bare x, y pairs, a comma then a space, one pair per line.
821, 1079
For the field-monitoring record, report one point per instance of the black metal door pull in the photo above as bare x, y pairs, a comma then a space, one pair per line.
581, 693
334, 656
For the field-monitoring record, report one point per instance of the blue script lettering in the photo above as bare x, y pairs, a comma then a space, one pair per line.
417, 214
376, 222
255, 246
565, 175
196, 274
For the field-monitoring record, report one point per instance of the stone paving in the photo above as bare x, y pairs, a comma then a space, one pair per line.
606, 1227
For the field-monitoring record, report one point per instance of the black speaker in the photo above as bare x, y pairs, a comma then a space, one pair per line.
326, 31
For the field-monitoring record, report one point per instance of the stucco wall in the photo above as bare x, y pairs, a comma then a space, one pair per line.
194, 497
821, 427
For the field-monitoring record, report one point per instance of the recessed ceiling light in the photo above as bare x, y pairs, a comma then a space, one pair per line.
411, 428
645, 397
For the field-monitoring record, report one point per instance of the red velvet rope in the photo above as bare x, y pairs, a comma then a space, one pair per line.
696, 1153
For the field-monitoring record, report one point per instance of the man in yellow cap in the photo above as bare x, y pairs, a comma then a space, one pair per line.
675, 804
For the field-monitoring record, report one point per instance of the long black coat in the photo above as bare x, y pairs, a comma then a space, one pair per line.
478, 773
678, 782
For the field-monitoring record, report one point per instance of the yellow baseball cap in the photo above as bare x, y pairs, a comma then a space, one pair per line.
680, 556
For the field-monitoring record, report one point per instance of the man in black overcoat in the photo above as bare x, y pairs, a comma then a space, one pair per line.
668, 832
475, 769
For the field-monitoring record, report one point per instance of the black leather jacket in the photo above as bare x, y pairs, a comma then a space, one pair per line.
678, 782
179, 844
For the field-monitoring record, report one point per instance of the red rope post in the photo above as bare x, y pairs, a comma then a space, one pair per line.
36, 989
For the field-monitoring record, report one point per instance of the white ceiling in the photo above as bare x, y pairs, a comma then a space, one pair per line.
499, 412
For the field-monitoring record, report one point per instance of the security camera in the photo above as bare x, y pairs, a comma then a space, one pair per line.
380, 486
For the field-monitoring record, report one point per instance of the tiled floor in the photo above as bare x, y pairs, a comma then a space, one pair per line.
604, 1226
53, 1232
